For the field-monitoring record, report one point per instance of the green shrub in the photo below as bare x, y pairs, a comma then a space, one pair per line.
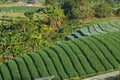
65, 61
14, 70
91, 57
5, 72
118, 23
29, 15
118, 12
1, 76
93, 30
78, 9
51, 2
73, 58
103, 10
114, 25
22, 69
41, 68
78, 57
110, 47
82, 59
85, 31
31, 67
49, 64
98, 29
105, 52
103, 27
98, 54
111, 26
57, 62
106, 27
113, 40
114, 36
83, 12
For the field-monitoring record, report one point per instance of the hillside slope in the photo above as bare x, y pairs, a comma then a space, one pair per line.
81, 57
99, 28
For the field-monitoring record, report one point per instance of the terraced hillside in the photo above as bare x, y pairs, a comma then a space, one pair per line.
99, 28
81, 57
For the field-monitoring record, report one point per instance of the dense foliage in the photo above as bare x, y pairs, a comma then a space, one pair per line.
99, 28
79, 57
40, 27
85, 9
96, 49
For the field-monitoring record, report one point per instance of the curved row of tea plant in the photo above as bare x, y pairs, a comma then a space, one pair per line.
17, 9
81, 57
95, 29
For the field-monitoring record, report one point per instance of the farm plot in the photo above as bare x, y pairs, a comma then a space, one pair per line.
81, 57
95, 29
14, 9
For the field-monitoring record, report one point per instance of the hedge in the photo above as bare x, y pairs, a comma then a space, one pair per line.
81, 57
98, 28
49, 64
57, 63
5, 72
31, 67
13, 70
73, 58
98, 54
105, 52
22, 69
65, 60
110, 47
90, 56
40, 65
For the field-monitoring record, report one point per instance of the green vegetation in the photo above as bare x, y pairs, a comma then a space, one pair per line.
98, 28
91, 48
25, 29
57, 63
80, 57
22, 69
40, 65
14, 9
13, 70
98, 54
49, 64
31, 67
114, 51
65, 61
102, 10
73, 59
97, 66
5, 72
104, 50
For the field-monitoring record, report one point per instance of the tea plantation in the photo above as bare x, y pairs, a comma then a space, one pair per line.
99, 28
81, 57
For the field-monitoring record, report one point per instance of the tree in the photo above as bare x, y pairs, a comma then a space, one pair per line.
55, 16
51, 2
15, 0
29, 15
30, 1
77, 9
